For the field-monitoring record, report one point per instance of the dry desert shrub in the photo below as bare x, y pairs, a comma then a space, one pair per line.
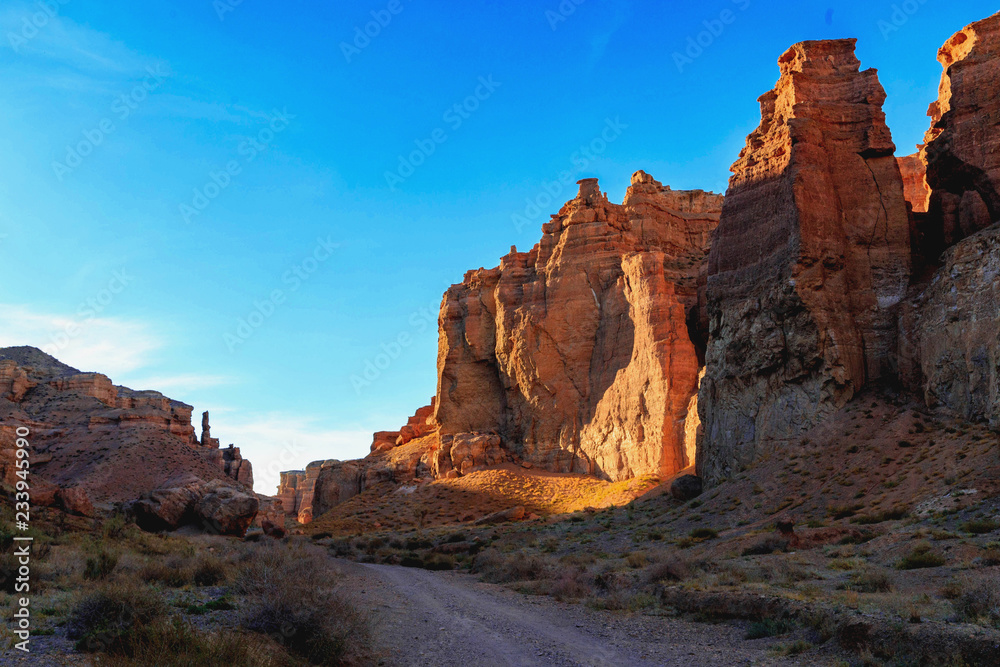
175, 643
499, 568
111, 618
293, 601
979, 600
669, 568
870, 580
572, 584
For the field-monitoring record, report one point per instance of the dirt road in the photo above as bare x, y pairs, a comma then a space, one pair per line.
445, 618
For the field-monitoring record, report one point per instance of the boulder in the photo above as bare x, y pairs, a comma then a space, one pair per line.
504, 516
218, 506
809, 263
75, 500
168, 508
225, 509
686, 487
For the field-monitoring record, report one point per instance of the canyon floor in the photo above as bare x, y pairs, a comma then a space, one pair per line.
450, 618
874, 540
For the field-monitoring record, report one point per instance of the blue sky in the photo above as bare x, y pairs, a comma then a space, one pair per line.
244, 204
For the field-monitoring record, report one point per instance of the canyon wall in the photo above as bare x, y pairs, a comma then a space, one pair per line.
962, 150
949, 343
809, 263
96, 446
577, 353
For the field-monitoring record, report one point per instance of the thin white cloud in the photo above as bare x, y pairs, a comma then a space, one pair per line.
166, 383
110, 345
33, 33
276, 442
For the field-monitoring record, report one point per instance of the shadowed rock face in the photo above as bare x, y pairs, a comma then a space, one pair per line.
962, 150
949, 345
810, 260
578, 353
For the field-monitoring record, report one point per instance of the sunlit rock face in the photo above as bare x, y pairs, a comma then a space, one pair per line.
962, 151
583, 353
810, 261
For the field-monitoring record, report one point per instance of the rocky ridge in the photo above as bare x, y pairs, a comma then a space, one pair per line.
96, 446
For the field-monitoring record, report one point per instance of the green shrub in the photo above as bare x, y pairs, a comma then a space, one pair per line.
980, 526
769, 627
703, 534
766, 544
100, 566
921, 557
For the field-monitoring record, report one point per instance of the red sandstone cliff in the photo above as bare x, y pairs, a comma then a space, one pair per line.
577, 353
810, 260
95, 446
581, 355
962, 150
949, 345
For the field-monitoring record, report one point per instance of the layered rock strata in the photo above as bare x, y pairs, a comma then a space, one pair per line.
578, 354
962, 150
810, 260
95, 445
949, 345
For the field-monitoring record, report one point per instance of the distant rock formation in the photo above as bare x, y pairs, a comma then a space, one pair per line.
915, 188
809, 263
578, 354
95, 446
